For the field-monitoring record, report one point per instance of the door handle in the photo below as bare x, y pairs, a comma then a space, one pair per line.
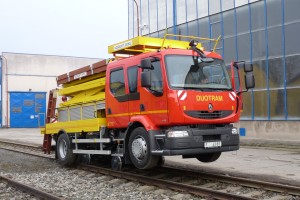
142, 107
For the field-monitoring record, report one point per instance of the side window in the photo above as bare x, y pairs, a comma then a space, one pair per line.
132, 73
156, 77
117, 82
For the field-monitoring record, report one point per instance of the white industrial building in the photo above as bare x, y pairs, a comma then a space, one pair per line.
26, 82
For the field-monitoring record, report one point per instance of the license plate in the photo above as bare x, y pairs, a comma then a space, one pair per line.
212, 144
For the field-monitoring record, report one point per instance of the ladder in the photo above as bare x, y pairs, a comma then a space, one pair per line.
50, 114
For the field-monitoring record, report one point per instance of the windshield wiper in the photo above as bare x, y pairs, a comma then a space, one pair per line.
193, 88
222, 89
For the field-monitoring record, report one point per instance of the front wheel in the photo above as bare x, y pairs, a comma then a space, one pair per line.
64, 151
208, 157
139, 149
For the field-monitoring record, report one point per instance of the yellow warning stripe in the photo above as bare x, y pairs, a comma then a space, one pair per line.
155, 112
138, 113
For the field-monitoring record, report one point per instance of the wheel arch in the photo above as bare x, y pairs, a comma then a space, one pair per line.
145, 121
55, 136
139, 121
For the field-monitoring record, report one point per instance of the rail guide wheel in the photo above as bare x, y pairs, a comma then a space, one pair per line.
116, 163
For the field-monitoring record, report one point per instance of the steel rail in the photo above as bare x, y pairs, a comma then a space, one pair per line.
30, 190
196, 190
274, 187
41, 155
20, 144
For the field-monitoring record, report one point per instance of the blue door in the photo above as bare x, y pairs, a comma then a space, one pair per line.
27, 109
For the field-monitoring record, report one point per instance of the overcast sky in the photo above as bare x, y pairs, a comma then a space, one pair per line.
81, 28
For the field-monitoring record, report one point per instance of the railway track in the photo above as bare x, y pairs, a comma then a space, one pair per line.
24, 148
29, 189
202, 184
207, 185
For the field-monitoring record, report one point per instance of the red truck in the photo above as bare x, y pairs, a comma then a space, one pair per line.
168, 98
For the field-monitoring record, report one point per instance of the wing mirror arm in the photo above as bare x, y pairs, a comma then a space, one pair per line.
249, 77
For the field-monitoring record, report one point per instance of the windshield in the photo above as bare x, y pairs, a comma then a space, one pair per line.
189, 72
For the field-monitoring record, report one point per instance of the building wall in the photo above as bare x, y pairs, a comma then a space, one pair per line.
262, 32
36, 73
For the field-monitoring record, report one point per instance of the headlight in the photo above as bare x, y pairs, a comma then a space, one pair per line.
178, 134
234, 131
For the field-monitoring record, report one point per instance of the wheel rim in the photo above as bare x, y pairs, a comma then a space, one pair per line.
139, 148
63, 149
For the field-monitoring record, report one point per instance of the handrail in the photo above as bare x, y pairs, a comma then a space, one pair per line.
192, 37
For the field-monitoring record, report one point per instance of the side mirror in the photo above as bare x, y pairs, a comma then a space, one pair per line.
249, 77
146, 79
248, 68
249, 81
146, 63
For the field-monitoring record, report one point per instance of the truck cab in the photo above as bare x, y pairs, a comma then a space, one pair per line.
176, 102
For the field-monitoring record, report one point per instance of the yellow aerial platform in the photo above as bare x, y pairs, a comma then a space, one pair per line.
143, 44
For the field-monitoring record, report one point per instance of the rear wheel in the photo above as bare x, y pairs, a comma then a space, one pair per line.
139, 149
64, 151
208, 157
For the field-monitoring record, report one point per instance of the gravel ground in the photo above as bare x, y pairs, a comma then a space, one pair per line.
71, 183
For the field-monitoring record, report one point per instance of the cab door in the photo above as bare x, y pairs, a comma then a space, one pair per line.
153, 100
117, 99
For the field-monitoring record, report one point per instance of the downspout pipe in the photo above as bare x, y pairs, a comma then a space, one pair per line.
1, 65
6, 88
137, 18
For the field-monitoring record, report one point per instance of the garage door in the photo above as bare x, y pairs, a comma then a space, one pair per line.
27, 109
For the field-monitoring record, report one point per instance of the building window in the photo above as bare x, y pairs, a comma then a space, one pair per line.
277, 104
247, 106
292, 10
293, 71
293, 102
260, 105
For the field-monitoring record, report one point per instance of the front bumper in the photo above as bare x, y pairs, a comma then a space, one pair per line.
194, 143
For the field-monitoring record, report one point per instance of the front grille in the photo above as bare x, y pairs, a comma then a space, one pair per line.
211, 137
205, 126
209, 115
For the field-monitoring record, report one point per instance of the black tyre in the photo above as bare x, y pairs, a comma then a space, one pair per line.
139, 149
64, 151
208, 157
